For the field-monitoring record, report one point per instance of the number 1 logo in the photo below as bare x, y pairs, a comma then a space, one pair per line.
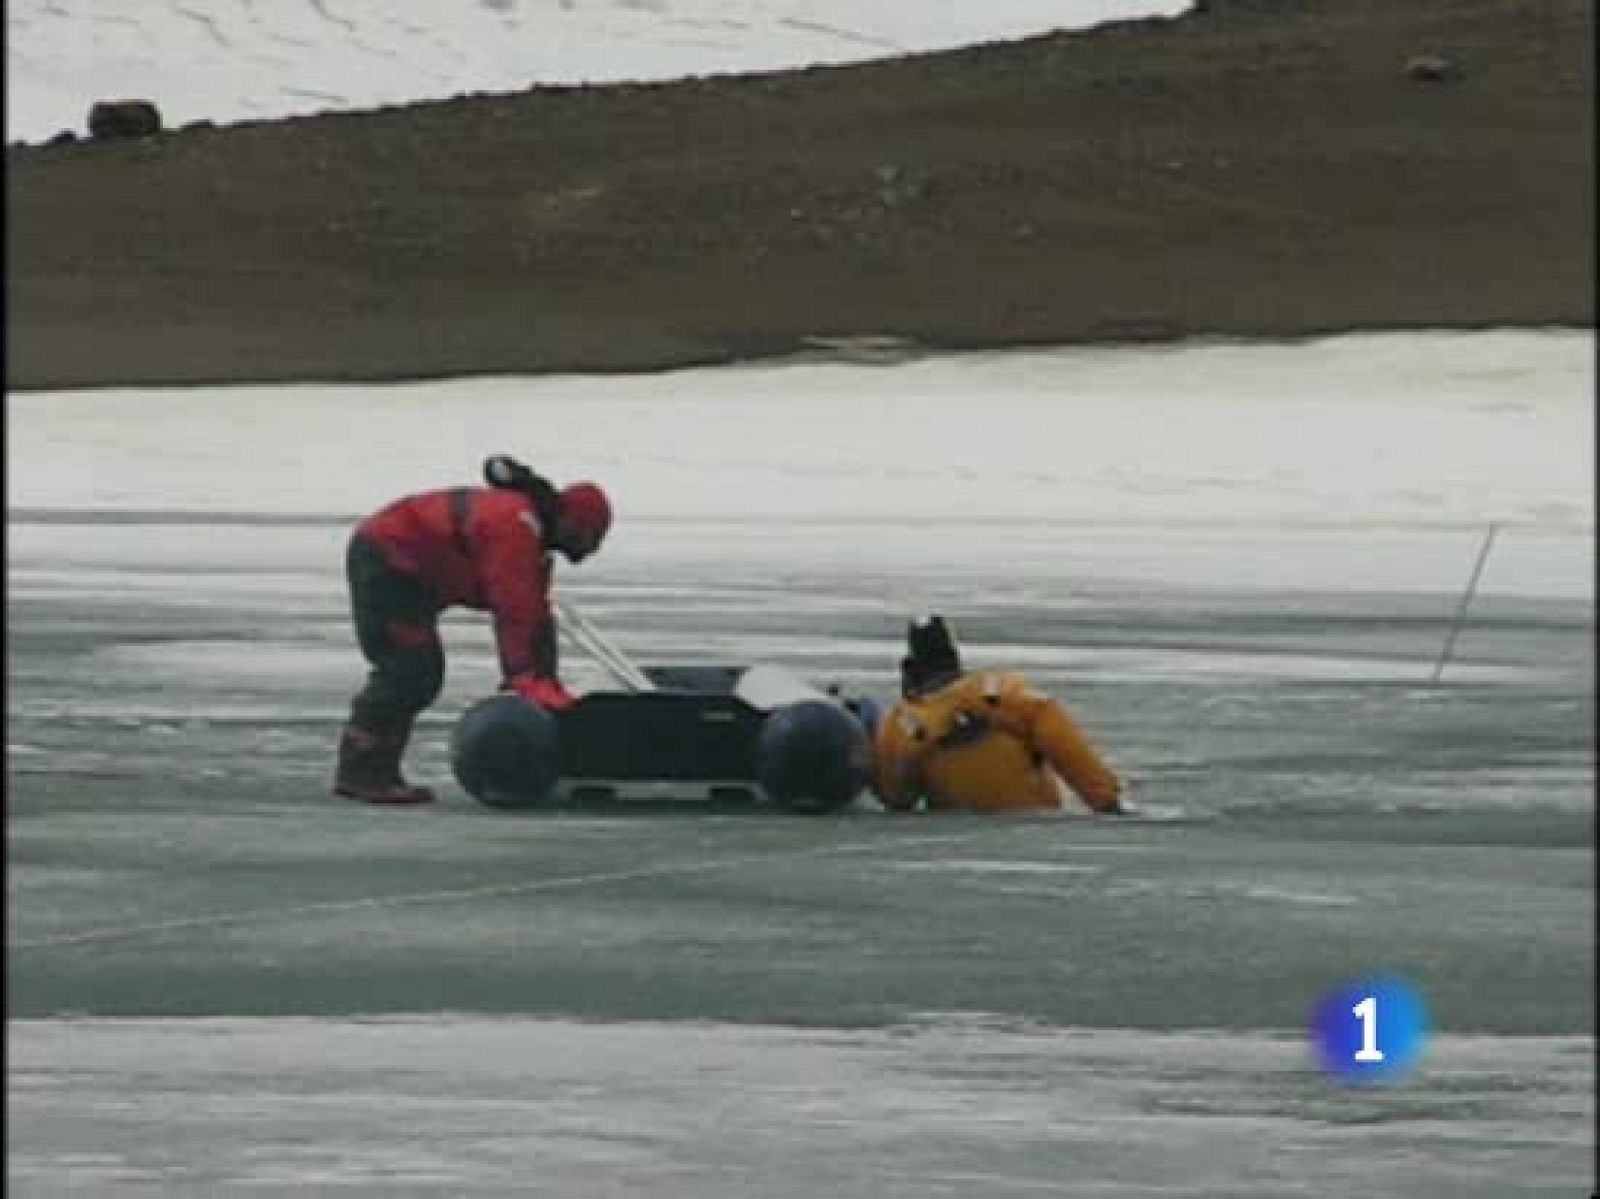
1367, 1010
1369, 1030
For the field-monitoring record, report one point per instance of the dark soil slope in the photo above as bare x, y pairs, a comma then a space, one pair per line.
1268, 168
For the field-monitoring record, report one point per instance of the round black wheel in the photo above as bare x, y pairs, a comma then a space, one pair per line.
814, 756
504, 752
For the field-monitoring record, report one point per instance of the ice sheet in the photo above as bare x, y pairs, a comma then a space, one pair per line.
960, 1106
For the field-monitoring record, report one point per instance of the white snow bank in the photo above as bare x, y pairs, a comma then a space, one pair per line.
1393, 429
232, 60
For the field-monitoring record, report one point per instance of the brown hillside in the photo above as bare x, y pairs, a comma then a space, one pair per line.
1265, 168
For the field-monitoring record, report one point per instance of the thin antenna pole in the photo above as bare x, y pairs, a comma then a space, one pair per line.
1466, 600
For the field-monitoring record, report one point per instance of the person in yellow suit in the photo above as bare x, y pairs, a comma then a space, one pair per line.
981, 740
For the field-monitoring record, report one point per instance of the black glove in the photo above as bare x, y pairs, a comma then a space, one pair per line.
1123, 805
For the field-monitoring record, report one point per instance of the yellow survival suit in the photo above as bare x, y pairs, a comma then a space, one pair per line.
981, 741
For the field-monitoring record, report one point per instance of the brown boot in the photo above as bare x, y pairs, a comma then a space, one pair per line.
369, 767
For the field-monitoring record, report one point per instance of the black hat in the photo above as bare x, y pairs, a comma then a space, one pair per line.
932, 655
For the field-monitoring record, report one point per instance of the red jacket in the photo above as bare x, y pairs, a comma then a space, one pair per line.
482, 548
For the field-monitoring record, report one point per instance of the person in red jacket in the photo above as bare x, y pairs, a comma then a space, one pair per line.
486, 548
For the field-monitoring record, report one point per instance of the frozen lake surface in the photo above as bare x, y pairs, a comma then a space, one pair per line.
221, 981
480, 1107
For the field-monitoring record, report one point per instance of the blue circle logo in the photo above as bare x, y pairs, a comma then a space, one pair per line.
1370, 1031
